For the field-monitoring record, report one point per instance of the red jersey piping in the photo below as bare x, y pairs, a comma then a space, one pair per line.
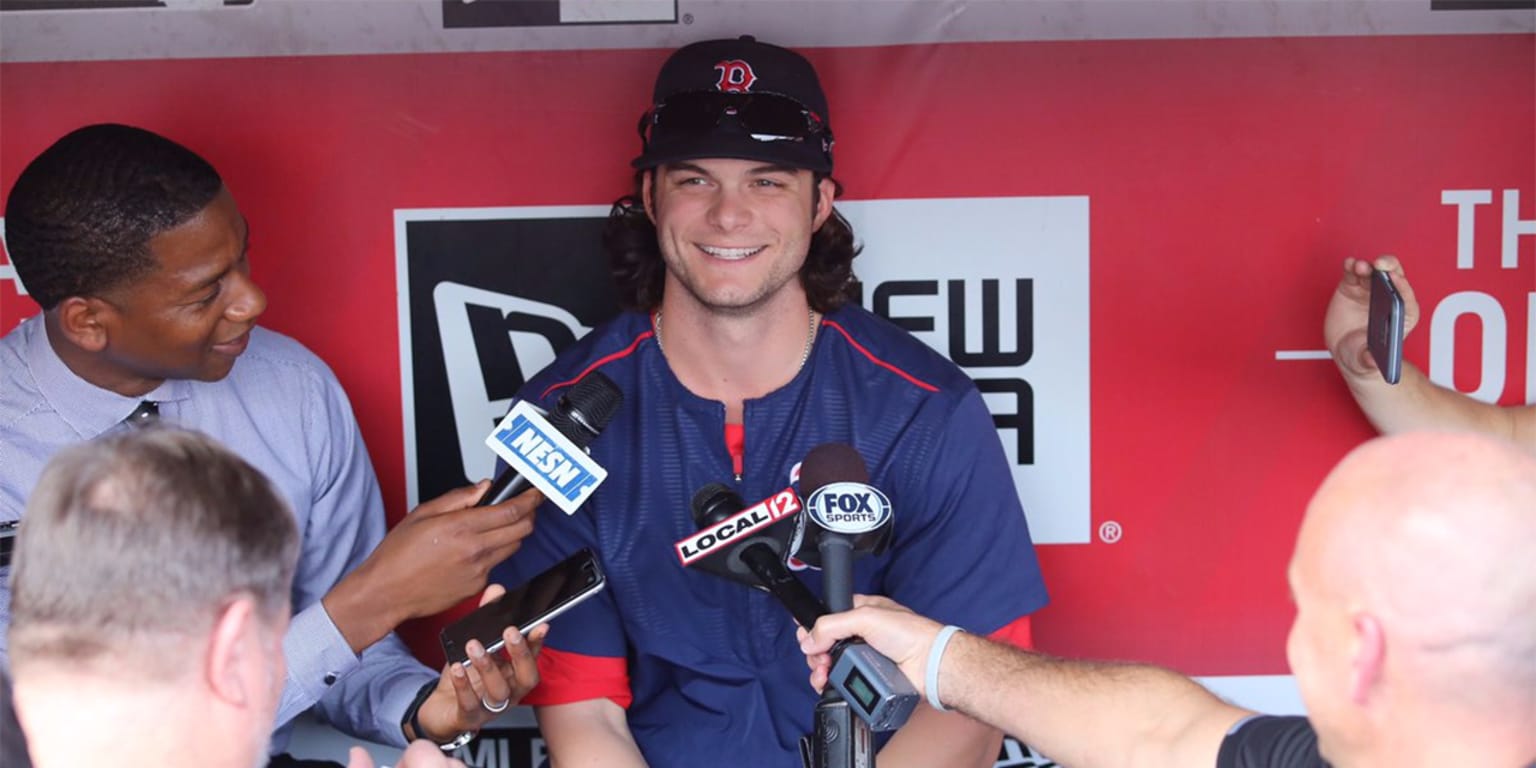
920, 384
601, 361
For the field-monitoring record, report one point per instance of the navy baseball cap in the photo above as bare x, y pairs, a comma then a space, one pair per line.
741, 99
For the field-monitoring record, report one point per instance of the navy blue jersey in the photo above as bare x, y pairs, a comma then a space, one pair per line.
714, 669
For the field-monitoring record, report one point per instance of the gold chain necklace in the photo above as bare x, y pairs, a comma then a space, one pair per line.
810, 336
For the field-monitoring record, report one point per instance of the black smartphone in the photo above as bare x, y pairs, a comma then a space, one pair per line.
1384, 332
544, 597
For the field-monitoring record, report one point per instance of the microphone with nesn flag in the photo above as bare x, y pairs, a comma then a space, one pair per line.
550, 451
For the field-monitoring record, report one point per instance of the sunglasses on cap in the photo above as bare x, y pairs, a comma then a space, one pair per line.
762, 116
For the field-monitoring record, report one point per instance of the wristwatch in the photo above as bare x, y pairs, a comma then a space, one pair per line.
410, 719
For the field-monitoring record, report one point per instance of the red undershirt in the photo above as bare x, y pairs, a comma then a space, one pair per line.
736, 445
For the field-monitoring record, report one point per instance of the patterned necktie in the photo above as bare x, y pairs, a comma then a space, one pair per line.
147, 413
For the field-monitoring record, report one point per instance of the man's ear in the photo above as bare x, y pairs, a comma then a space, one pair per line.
1370, 643
234, 657
647, 196
83, 321
826, 190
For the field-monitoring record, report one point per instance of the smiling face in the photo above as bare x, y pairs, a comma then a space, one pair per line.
734, 233
191, 317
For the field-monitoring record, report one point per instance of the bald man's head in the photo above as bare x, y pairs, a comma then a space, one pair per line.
1415, 578
1436, 531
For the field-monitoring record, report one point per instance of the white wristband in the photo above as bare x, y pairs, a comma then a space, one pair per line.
935, 655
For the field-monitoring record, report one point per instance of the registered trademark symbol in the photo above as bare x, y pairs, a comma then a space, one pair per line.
1109, 532
687, 18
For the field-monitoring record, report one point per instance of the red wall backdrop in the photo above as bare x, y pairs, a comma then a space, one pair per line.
1227, 180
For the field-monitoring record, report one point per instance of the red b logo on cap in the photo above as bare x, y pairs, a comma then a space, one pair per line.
735, 76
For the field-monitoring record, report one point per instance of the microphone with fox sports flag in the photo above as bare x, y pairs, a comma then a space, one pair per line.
551, 452
845, 516
748, 545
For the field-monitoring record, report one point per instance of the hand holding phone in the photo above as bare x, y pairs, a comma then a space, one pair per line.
1384, 329
544, 597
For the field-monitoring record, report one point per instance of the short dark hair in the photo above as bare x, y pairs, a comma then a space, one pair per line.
634, 256
80, 217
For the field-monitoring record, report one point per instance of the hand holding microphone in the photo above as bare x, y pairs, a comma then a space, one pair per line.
898, 633
749, 545
546, 459
439, 554
443, 551
844, 517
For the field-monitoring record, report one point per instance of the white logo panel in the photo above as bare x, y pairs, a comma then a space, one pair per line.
1000, 286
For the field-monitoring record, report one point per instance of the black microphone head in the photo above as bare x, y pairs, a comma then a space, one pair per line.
840, 505
715, 502
831, 463
584, 412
